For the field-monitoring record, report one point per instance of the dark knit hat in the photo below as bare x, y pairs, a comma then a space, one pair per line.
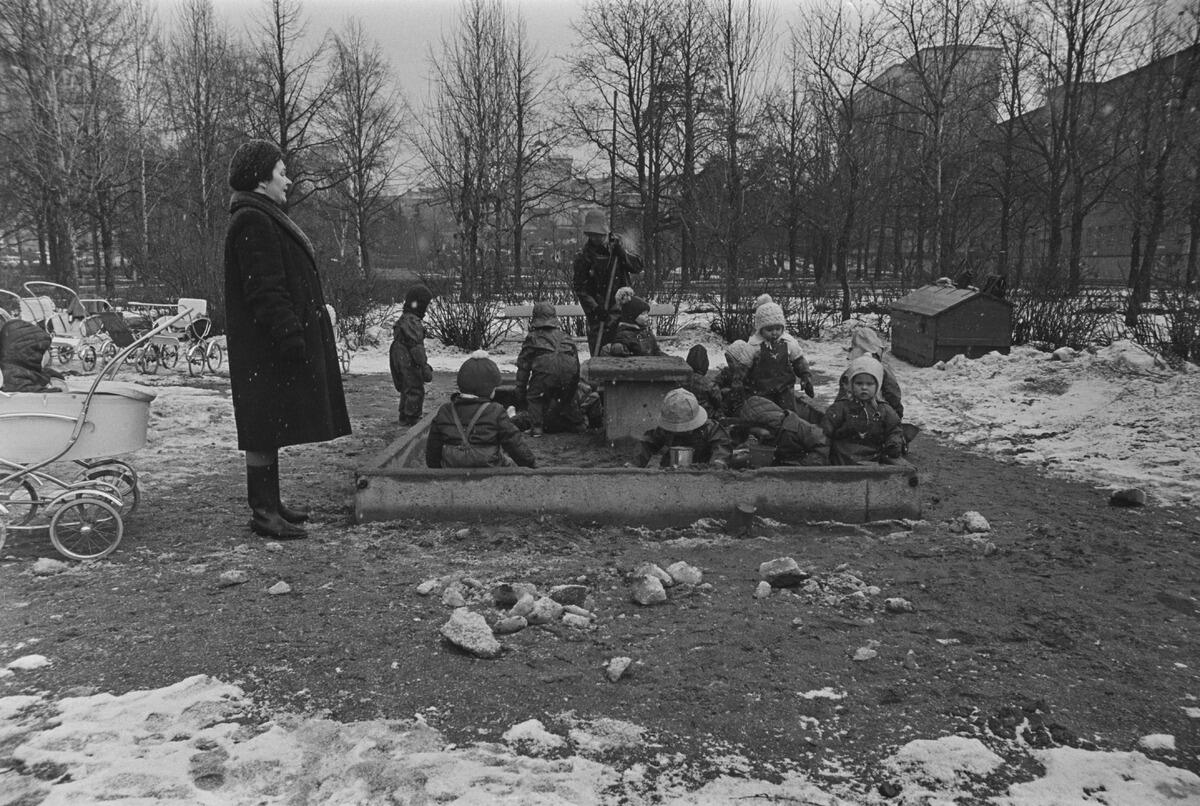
478, 375
634, 308
417, 300
253, 162
697, 359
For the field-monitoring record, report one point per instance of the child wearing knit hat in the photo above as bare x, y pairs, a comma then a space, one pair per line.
862, 429
406, 357
633, 335
731, 380
472, 430
778, 361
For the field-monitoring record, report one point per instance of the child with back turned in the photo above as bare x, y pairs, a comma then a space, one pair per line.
406, 358
863, 429
548, 374
472, 430
778, 362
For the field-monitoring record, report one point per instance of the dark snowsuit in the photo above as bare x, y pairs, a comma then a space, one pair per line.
731, 383
796, 442
889, 390
636, 340
547, 379
710, 444
493, 430
773, 374
283, 366
863, 433
409, 365
703, 387
590, 272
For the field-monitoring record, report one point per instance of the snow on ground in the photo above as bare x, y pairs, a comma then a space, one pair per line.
1114, 417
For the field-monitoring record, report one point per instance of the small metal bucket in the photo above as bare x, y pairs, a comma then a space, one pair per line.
681, 457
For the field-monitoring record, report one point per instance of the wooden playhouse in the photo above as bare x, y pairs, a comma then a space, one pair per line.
934, 323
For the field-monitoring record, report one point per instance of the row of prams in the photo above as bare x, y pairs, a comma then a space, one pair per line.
93, 330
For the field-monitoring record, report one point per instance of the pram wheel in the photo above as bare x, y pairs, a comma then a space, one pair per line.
122, 478
86, 529
147, 360
214, 356
20, 498
196, 359
168, 355
87, 357
65, 354
108, 352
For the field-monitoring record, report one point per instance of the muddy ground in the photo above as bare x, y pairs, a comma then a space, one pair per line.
1072, 621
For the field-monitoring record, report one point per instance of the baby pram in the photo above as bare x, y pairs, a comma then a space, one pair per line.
88, 426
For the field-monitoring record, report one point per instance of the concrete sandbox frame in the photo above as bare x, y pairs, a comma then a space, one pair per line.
397, 485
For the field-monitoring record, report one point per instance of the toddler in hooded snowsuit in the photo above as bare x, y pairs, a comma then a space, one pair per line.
731, 380
796, 441
407, 359
633, 335
703, 387
683, 423
548, 374
865, 341
472, 430
778, 361
24, 351
862, 429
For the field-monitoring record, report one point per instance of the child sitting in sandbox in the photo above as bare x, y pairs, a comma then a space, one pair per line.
796, 442
633, 335
863, 429
683, 423
472, 430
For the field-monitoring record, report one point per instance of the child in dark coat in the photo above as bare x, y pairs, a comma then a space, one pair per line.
703, 387
865, 341
633, 335
24, 355
731, 380
407, 359
796, 441
683, 423
778, 361
862, 429
548, 374
472, 430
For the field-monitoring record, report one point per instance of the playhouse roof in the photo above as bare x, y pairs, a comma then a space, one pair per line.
931, 300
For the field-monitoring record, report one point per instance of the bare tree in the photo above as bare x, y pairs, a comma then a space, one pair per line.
288, 90
364, 118
143, 101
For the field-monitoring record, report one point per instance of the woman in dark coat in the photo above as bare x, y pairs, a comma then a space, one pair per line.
283, 365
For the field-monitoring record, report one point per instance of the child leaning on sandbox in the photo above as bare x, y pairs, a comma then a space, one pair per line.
778, 361
796, 442
548, 374
633, 335
683, 423
472, 430
406, 358
863, 429
731, 379
703, 387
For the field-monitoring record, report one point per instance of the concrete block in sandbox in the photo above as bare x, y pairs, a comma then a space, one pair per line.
396, 485
633, 390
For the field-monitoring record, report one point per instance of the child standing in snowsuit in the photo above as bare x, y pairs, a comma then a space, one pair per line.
548, 374
703, 387
407, 359
633, 335
683, 423
778, 362
862, 429
472, 430
731, 380
865, 341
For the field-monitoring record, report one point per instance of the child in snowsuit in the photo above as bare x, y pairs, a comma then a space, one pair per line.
778, 362
472, 430
24, 355
865, 341
633, 335
703, 387
407, 359
731, 380
796, 442
683, 422
548, 374
862, 429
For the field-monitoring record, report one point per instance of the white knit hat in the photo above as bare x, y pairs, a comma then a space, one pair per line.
767, 312
867, 365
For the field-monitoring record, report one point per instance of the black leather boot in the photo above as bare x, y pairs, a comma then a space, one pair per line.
296, 514
262, 488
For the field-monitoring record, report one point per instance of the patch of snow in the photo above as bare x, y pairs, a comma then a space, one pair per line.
1086, 776
826, 693
27, 662
1157, 741
944, 761
533, 737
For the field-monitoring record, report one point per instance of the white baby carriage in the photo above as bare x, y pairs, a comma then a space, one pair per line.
87, 425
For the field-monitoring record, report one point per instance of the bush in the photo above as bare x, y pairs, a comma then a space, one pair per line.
474, 325
1174, 332
1058, 319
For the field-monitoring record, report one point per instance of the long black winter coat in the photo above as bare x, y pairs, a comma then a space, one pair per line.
283, 365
